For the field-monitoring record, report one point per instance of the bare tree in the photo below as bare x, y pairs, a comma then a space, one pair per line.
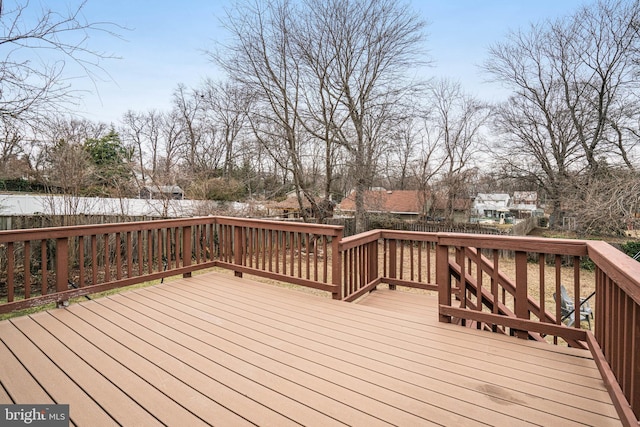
171, 131
35, 84
65, 165
373, 45
573, 106
332, 71
132, 131
12, 143
593, 53
607, 205
455, 125
227, 108
263, 61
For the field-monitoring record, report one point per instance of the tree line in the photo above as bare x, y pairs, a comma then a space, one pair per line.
325, 97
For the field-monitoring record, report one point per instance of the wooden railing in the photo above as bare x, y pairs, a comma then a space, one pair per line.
617, 334
475, 289
407, 260
477, 284
56, 264
524, 304
302, 254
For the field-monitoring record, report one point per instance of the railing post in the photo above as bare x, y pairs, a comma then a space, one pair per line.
443, 279
238, 248
521, 300
186, 249
62, 267
393, 260
336, 265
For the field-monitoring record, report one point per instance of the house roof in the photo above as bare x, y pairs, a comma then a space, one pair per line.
525, 195
492, 197
381, 200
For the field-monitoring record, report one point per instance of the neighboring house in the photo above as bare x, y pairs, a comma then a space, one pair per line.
407, 204
459, 209
524, 203
161, 192
491, 205
290, 208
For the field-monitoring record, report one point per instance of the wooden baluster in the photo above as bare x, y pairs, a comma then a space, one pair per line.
107, 255
521, 300
62, 266
27, 270
443, 279
129, 240
139, 236
479, 282
299, 248
43, 267
94, 259
118, 249
238, 248
186, 249
542, 300
576, 291
336, 265
198, 232
558, 271
11, 260
81, 277
495, 285
159, 252
169, 252
460, 255
393, 261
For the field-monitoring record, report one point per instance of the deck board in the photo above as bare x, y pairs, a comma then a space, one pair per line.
219, 350
408, 363
53, 380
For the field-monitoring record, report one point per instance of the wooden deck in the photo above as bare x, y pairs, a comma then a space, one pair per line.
218, 350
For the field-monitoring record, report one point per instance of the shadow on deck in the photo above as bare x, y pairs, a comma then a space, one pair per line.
218, 350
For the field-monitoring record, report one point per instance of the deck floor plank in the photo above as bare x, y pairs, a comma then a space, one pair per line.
224, 366
470, 339
17, 380
220, 350
184, 388
495, 391
535, 350
51, 378
5, 399
567, 371
297, 384
152, 390
403, 383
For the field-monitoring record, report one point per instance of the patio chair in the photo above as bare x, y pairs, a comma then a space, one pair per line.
567, 309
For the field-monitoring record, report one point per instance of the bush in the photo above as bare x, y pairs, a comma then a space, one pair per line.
217, 189
383, 221
630, 248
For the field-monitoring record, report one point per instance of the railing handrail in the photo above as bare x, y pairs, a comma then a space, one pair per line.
515, 243
326, 230
359, 239
617, 265
83, 230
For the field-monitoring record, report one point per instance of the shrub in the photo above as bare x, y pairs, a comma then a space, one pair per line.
630, 248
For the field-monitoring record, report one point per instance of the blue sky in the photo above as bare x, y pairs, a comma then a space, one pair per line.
165, 40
